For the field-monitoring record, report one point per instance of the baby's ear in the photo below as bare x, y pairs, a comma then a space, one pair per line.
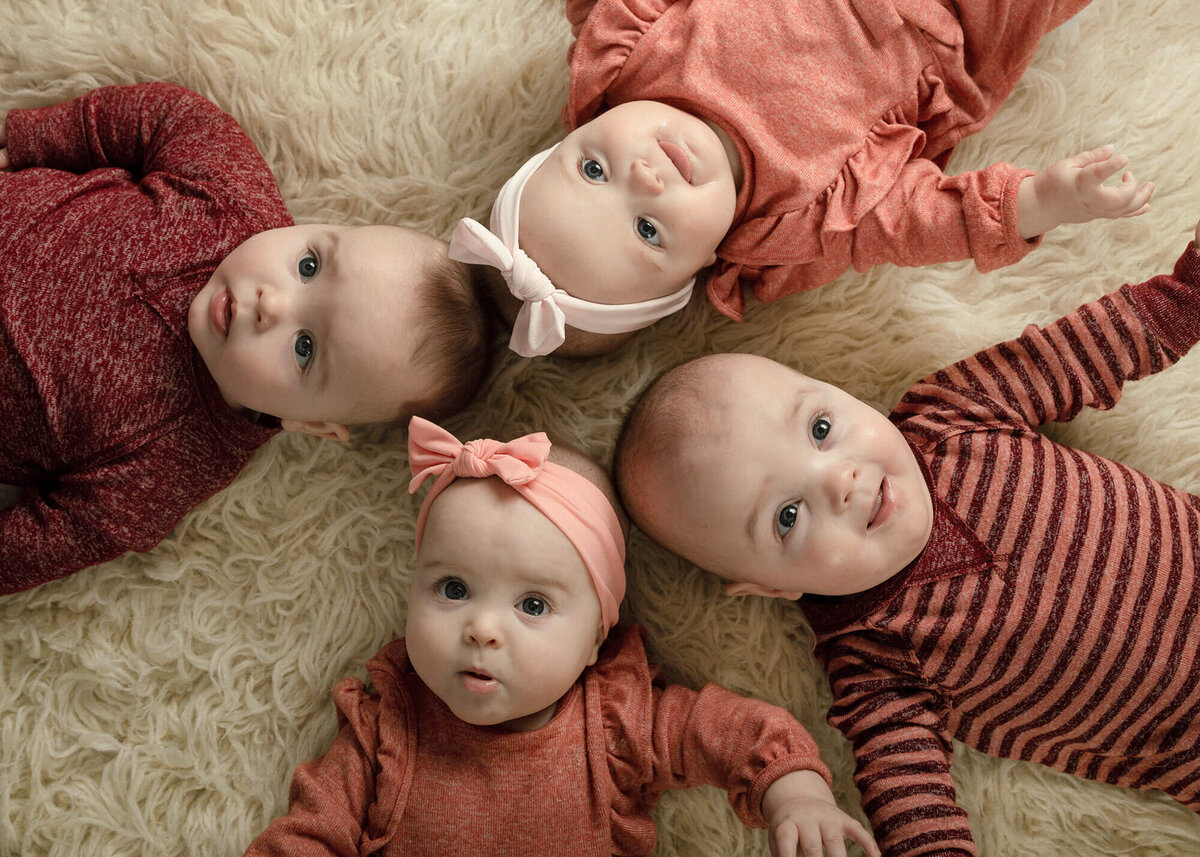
737, 588
331, 431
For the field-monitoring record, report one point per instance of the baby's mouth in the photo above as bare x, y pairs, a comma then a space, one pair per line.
222, 310
478, 681
885, 503
679, 157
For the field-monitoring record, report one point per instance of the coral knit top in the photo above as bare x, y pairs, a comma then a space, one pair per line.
843, 112
407, 777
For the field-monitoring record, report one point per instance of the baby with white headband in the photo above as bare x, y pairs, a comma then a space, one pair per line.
503, 723
776, 145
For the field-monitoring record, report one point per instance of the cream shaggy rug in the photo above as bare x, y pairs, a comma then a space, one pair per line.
156, 705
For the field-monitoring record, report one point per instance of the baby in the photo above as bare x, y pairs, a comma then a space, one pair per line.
161, 317
966, 576
778, 143
501, 725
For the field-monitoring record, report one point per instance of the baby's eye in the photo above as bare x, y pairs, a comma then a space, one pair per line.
648, 232
820, 429
452, 589
592, 171
531, 605
786, 519
308, 267
304, 347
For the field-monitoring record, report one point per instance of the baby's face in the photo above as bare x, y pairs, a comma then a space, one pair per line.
793, 486
502, 616
629, 206
315, 323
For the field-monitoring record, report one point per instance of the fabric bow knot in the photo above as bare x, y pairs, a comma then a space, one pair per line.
516, 462
526, 280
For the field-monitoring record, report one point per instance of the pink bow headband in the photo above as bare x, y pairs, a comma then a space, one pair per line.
546, 310
571, 502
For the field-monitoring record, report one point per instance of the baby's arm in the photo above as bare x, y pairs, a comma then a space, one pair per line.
147, 129
902, 750
327, 805
927, 217
98, 513
1073, 191
751, 749
1083, 359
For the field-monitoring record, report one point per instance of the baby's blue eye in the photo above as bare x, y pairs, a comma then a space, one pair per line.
592, 171
821, 428
304, 347
308, 267
786, 519
647, 232
452, 589
533, 606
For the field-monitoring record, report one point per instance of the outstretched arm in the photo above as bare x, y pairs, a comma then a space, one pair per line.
1073, 191
1082, 360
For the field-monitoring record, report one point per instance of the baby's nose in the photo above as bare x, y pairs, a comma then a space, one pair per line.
270, 306
840, 478
645, 178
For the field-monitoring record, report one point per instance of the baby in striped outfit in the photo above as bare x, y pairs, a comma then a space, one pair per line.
966, 576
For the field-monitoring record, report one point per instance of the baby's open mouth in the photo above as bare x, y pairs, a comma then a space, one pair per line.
478, 681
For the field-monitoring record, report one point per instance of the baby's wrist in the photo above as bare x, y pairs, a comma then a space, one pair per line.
1034, 215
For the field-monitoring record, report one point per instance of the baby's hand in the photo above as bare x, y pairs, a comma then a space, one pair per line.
1073, 191
3, 146
804, 819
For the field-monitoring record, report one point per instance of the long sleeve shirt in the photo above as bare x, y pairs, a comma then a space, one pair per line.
119, 206
843, 113
405, 776
1052, 617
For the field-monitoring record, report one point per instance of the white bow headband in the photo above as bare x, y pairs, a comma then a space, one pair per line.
546, 309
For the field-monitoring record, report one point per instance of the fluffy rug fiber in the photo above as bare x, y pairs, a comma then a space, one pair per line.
157, 704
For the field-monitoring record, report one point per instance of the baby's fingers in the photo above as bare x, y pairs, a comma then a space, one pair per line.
3, 158
1127, 199
1092, 156
863, 837
818, 842
1100, 170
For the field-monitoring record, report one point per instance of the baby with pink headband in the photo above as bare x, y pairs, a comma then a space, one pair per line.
812, 140
502, 723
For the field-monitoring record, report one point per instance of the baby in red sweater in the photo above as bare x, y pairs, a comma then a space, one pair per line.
966, 576
502, 723
775, 144
161, 316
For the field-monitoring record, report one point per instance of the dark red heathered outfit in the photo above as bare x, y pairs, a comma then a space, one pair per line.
1054, 615
119, 207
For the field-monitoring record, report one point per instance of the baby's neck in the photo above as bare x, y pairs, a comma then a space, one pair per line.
731, 152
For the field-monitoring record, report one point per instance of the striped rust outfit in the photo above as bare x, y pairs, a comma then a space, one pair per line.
1053, 616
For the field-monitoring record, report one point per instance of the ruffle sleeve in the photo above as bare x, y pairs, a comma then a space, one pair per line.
886, 205
604, 41
385, 719
778, 254
620, 713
